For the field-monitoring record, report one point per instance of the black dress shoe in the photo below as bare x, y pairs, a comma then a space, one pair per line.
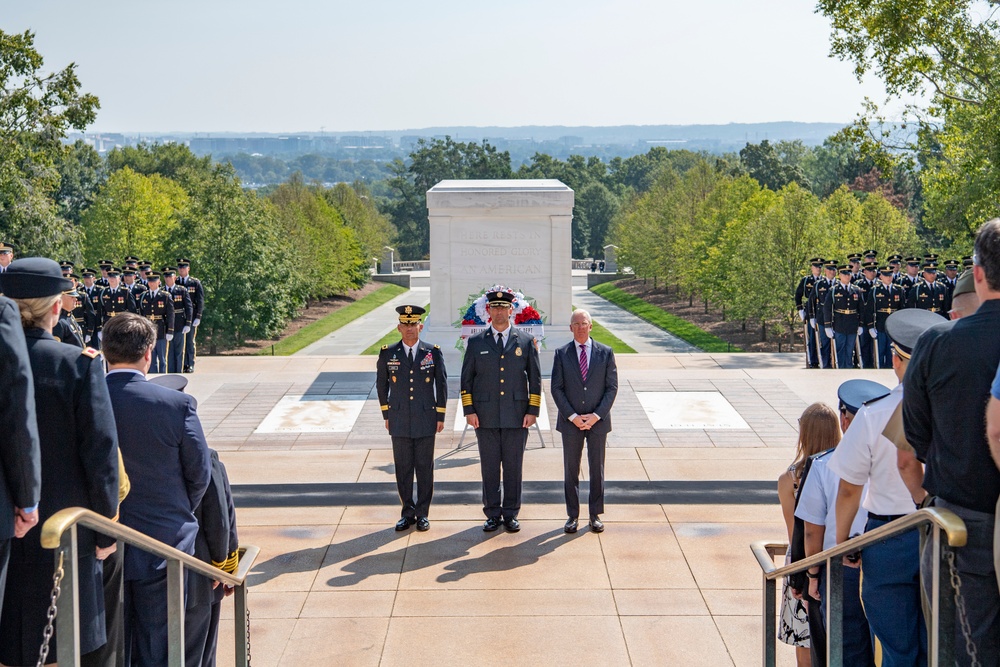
405, 523
491, 524
512, 525
423, 524
570, 526
596, 525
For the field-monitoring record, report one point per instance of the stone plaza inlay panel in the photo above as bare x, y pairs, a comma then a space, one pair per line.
314, 413
669, 410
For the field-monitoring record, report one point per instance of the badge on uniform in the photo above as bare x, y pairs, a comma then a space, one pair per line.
517, 352
393, 378
427, 379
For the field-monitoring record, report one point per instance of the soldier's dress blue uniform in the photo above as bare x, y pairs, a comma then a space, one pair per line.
842, 313
158, 307
501, 386
114, 301
803, 293
413, 396
882, 302
815, 314
866, 343
66, 330
932, 296
197, 292
93, 295
183, 314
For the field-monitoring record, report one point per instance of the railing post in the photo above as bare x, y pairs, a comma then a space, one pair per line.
834, 612
67, 627
241, 630
175, 613
770, 631
942, 635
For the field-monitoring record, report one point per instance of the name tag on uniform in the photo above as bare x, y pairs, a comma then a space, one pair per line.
485, 352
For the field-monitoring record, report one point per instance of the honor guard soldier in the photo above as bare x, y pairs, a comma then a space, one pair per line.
6, 255
157, 306
129, 281
854, 262
197, 293
802, 293
883, 300
928, 294
869, 256
501, 398
83, 313
144, 269
183, 311
866, 284
967, 262
816, 301
92, 293
842, 316
412, 386
66, 267
115, 298
105, 265
66, 329
911, 277
132, 262
893, 262
949, 279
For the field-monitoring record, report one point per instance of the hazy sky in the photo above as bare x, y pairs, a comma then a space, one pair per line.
299, 65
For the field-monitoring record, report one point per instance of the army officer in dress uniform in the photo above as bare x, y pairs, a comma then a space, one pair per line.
883, 300
929, 294
66, 329
842, 316
157, 305
501, 398
412, 387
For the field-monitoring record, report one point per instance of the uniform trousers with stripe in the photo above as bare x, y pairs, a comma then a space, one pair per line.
414, 456
159, 362
501, 450
890, 591
845, 349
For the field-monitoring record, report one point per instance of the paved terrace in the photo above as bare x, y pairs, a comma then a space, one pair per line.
670, 582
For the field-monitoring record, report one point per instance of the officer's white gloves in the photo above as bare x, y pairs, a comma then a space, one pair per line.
170, 337
196, 322
829, 332
861, 330
186, 329
873, 333
802, 315
86, 339
100, 335
812, 322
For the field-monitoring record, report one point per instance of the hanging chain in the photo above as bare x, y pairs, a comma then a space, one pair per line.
963, 619
248, 633
57, 576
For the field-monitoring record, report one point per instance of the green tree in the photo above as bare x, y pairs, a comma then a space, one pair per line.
134, 214
765, 165
36, 111
597, 207
81, 174
356, 205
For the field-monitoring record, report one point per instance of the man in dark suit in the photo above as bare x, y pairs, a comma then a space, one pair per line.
584, 387
412, 387
20, 459
167, 459
501, 398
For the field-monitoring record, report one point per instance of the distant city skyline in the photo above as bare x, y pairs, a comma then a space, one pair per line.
304, 66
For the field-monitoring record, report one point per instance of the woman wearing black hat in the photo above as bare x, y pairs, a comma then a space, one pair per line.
79, 447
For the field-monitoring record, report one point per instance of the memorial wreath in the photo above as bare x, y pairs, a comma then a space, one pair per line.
476, 318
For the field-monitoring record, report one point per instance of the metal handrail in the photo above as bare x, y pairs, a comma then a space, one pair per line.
944, 523
59, 532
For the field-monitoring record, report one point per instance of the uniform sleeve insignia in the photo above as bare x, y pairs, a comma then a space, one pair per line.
90, 352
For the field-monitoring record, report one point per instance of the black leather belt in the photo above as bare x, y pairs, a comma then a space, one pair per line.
886, 518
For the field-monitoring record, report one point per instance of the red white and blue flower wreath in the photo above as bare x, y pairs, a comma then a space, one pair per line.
475, 317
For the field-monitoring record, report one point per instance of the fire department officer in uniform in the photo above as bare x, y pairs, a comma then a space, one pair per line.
884, 299
501, 398
157, 306
197, 293
842, 316
803, 291
815, 311
182, 318
928, 294
115, 298
412, 387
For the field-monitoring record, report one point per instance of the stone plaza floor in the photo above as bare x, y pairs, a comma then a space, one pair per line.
671, 581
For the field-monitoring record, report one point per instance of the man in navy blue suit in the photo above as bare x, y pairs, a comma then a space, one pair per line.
167, 459
584, 387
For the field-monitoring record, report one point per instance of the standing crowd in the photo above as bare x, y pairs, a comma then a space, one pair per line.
932, 440
110, 441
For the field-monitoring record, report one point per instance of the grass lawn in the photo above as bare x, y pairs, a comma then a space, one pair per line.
390, 338
662, 319
602, 335
311, 333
